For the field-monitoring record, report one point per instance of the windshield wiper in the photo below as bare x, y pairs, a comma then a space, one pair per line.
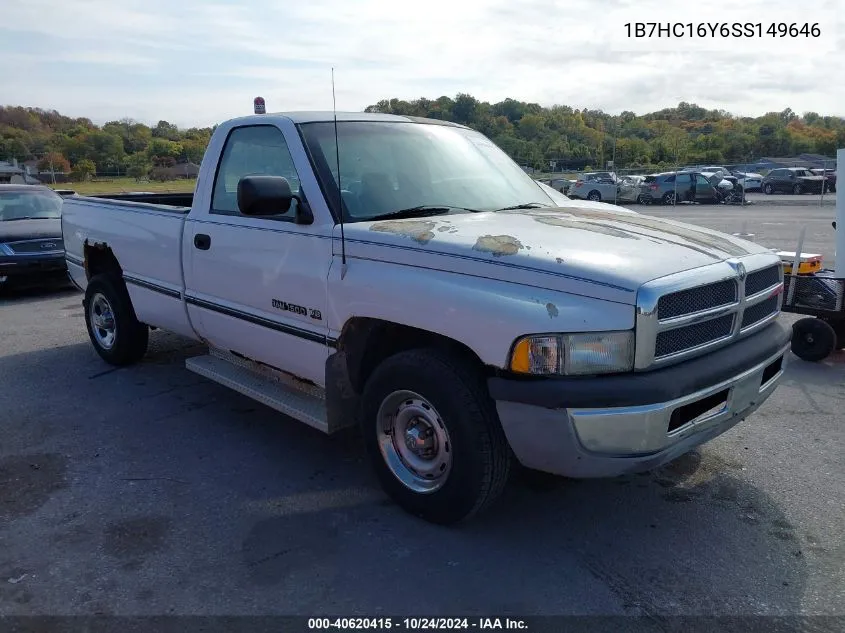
26, 217
527, 205
419, 211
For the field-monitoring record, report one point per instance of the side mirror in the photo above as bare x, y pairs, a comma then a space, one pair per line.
262, 196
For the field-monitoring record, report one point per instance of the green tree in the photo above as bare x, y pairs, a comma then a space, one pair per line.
84, 169
138, 165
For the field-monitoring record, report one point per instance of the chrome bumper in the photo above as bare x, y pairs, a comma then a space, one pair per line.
613, 441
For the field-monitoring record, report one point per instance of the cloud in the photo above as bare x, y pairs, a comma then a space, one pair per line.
198, 62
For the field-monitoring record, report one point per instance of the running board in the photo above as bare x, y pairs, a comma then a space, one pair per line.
306, 406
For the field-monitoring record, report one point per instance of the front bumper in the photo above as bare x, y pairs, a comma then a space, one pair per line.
604, 440
28, 269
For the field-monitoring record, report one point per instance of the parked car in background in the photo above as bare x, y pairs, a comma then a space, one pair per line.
795, 180
563, 185
829, 176
563, 201
674, 187
604, 186
31, 248
750, 181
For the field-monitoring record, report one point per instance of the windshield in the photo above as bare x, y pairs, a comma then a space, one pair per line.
386, 167
25, 205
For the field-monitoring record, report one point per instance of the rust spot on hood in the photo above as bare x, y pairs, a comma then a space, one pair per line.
498, 245
420, 232
552, 310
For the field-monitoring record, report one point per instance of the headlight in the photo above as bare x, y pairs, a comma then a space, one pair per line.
574, 354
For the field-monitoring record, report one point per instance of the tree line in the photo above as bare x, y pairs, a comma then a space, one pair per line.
535, 136
78, 147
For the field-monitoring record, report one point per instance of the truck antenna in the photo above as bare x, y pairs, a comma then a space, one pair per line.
339, 189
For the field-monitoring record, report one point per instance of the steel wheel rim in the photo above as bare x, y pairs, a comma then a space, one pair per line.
414, 441
101, 318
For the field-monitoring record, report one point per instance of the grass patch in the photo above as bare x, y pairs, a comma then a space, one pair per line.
125, 185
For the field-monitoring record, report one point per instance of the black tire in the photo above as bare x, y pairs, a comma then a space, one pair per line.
768, 189
130, 336
480, 457
669, 198
594, 195
812, 339
797, 189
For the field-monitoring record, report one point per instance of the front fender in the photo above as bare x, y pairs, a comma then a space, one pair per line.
485, 315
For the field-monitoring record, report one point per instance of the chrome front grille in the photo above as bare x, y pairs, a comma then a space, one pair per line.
33, 247
691, 313
693, 300
761, 279
690, 336
760, 311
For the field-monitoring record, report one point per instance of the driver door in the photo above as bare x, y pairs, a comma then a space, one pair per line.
257, 285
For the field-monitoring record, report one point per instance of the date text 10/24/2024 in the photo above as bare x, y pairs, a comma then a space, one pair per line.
418, 624
721, 29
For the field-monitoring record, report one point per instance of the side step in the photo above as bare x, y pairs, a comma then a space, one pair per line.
309, 408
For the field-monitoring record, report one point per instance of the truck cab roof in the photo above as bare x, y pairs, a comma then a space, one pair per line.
327, 116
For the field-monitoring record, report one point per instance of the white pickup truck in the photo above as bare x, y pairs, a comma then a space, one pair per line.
459, 315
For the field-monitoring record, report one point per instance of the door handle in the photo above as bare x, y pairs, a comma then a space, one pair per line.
202, 241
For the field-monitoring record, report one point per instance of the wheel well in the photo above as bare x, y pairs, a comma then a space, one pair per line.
99, 259
367, 342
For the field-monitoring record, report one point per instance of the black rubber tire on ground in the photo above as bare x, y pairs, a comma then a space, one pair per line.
812, 339
131, 336
768, 189
838, 326
669, 197
797, 189
594, 195
481, 456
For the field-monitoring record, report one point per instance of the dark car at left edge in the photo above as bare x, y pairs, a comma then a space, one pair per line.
31, 247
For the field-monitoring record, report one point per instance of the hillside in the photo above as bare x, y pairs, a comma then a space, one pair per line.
531, 134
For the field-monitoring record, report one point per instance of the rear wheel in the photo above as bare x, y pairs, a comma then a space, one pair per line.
669, 198
813, 339
433, 436
797, 189
117, 335
594, 195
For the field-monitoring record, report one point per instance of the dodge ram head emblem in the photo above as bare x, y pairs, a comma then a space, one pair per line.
48, 245
739, 267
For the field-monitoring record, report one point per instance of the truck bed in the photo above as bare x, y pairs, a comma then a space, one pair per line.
170, 200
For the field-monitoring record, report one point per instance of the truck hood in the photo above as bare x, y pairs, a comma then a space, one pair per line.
595, 253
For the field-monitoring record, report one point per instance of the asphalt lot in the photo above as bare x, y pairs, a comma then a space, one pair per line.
149, 490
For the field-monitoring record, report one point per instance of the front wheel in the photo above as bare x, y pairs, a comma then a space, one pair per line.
433, 436
797, 189
768, 189
813, 339
117, 335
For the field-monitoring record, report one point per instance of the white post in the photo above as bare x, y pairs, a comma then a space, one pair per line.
840, 218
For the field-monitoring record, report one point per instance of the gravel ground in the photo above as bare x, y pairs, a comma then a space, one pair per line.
149, 490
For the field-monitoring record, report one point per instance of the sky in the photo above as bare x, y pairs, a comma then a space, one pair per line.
199, 62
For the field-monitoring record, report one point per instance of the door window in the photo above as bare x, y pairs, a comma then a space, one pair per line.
251, 151
701, 181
